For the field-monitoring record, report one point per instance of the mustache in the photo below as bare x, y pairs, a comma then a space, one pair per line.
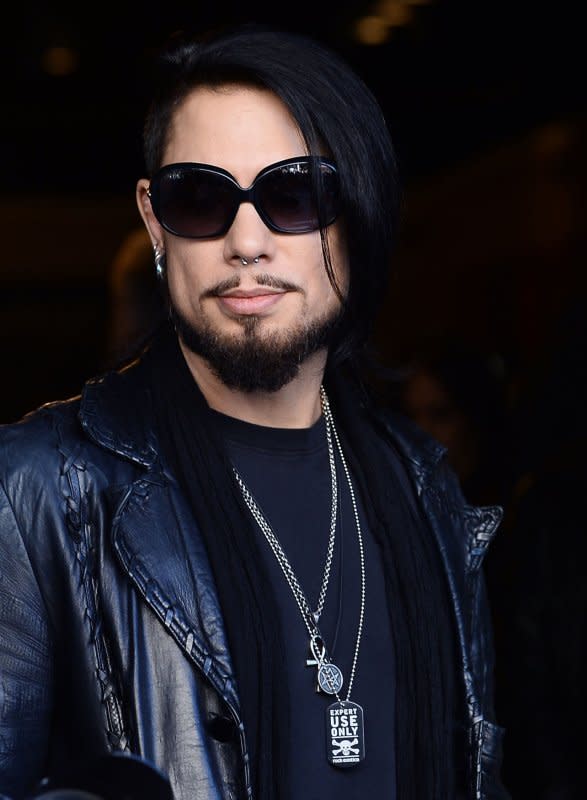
261, 279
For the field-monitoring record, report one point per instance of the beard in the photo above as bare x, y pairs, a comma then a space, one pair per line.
249, 361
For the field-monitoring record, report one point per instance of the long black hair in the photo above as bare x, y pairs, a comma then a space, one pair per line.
335, 111
337, 114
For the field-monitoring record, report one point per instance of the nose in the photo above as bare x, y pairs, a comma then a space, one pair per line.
248, 240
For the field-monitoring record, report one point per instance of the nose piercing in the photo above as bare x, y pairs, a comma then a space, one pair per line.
245, 262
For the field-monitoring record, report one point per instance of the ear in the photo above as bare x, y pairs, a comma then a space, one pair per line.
153, 227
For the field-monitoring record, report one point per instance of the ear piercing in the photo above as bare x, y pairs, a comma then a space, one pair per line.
159, 261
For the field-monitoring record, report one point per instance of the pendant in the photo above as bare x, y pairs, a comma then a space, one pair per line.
345, 735
329, 678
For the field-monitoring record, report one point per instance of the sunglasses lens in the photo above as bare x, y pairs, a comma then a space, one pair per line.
288, 197
194, 203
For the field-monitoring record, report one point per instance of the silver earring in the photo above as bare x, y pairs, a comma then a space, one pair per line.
159, 261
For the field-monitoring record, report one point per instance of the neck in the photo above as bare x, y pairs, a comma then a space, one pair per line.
296, 405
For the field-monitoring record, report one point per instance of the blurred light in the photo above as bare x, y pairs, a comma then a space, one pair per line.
395, 12
371, 30
60, 61
376, 28
552, 139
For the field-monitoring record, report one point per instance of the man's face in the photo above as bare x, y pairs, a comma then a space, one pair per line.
253, 323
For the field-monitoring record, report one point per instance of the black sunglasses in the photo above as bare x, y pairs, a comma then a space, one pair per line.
200, 201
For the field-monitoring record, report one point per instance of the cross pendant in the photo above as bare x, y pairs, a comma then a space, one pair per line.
313, 662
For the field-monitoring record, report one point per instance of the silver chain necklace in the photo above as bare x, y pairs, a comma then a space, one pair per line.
344, 719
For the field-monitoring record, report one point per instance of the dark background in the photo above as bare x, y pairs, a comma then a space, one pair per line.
486, 103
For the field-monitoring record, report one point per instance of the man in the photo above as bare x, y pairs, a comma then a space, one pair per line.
225, 558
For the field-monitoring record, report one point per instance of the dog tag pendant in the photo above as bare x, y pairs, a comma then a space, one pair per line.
345, 735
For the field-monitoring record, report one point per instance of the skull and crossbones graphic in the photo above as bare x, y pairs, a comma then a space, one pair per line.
346, 747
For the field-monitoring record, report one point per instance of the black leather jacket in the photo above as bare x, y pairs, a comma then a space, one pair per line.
111, 636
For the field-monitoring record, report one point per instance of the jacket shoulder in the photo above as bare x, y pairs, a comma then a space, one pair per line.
424, 457
39, 435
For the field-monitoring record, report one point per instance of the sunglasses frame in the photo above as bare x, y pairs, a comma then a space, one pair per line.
242, 195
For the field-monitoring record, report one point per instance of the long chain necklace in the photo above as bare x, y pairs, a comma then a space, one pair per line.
345, 738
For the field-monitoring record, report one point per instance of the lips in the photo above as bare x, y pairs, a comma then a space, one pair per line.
250, 301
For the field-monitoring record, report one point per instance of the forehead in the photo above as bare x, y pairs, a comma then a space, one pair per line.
241, 129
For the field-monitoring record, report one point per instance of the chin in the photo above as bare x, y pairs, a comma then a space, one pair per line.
258, 356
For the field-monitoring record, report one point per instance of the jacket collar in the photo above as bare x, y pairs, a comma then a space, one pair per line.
422, 453
114, 412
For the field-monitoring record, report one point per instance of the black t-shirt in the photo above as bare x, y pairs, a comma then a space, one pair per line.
287, 471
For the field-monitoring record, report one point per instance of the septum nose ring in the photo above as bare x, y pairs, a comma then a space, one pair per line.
245, 261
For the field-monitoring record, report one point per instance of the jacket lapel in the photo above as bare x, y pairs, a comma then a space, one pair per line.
158, 544
154, 533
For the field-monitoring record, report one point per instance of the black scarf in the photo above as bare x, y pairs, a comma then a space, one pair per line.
417, 595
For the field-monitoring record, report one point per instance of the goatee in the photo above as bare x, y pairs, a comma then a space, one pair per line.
250, 362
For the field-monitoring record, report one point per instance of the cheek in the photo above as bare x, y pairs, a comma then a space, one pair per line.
179, 280
342, 274
339, 257
186, 272
320, 286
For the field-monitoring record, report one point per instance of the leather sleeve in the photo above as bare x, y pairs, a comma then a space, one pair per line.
26, 673
490, 756
491, 733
